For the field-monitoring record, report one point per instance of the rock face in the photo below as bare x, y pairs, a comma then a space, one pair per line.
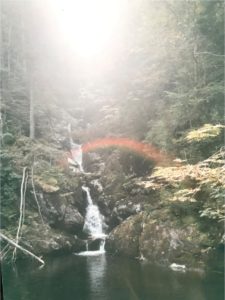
73, 221
174, 215
114, 191
64, 211
181, 218
162, 240
58, 192
42, 239
63, 220
124, 239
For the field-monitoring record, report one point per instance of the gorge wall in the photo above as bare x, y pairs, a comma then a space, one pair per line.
173, 214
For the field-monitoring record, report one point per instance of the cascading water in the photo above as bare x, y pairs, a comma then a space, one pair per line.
93, 225
77, 155
93, 221
76, 152
93, 218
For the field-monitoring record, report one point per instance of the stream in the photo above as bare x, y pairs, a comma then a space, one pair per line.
104, 277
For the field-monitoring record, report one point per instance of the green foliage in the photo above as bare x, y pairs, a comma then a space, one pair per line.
165, 78
8, 138
10, 190
208, 131
201, 143
211, 12
213, 214
195, 95
162, 82
213, 207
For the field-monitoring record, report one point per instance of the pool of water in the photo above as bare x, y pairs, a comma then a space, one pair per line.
105, 277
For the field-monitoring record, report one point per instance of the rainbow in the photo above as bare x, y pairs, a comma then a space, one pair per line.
143, 149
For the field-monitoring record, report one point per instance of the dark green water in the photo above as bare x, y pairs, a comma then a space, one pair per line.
105, 277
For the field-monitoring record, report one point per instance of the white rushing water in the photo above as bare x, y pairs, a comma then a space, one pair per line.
76, 152
93, 226
77, 155
93, 218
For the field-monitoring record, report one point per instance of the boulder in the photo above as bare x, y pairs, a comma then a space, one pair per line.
124, 239
73, 221
42, 239
161, 239
63, 211
48, 187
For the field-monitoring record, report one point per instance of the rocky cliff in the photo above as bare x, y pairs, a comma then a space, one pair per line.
173, 215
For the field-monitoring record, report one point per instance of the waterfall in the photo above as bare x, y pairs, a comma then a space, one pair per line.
93, 225
76, 152
93, 218
77, 155
102, 246
86, 245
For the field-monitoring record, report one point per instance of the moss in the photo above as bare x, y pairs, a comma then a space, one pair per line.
186, 224
207, 131
45, 186
187, 220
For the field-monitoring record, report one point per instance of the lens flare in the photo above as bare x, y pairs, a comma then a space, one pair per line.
146, 150
89, 26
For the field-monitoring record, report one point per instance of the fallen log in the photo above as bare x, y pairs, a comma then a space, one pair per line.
21, 248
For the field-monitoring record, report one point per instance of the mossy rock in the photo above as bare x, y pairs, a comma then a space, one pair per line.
162, 240
49, 186
124, 239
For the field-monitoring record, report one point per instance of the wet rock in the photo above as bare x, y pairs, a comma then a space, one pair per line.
94, 245
124, 208
73, 221
103, 202
64, 211
88, 177
161, 239
97, 185
124, 239
42, 239
166, 243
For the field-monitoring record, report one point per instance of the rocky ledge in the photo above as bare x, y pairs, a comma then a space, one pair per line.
185, 224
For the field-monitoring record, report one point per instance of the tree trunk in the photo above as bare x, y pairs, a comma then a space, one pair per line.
1, 85
9, 52
32, 123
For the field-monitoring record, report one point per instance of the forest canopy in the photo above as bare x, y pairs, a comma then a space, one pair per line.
148, 70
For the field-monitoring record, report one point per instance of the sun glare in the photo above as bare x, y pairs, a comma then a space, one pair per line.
89, 25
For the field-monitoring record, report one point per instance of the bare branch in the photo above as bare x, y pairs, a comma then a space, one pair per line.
24, 199
21, 210
209, 53
21, 248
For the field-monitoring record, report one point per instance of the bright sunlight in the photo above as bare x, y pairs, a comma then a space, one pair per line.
89, 25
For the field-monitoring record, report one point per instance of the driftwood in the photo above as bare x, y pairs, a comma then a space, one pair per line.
21, 248
22, 200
